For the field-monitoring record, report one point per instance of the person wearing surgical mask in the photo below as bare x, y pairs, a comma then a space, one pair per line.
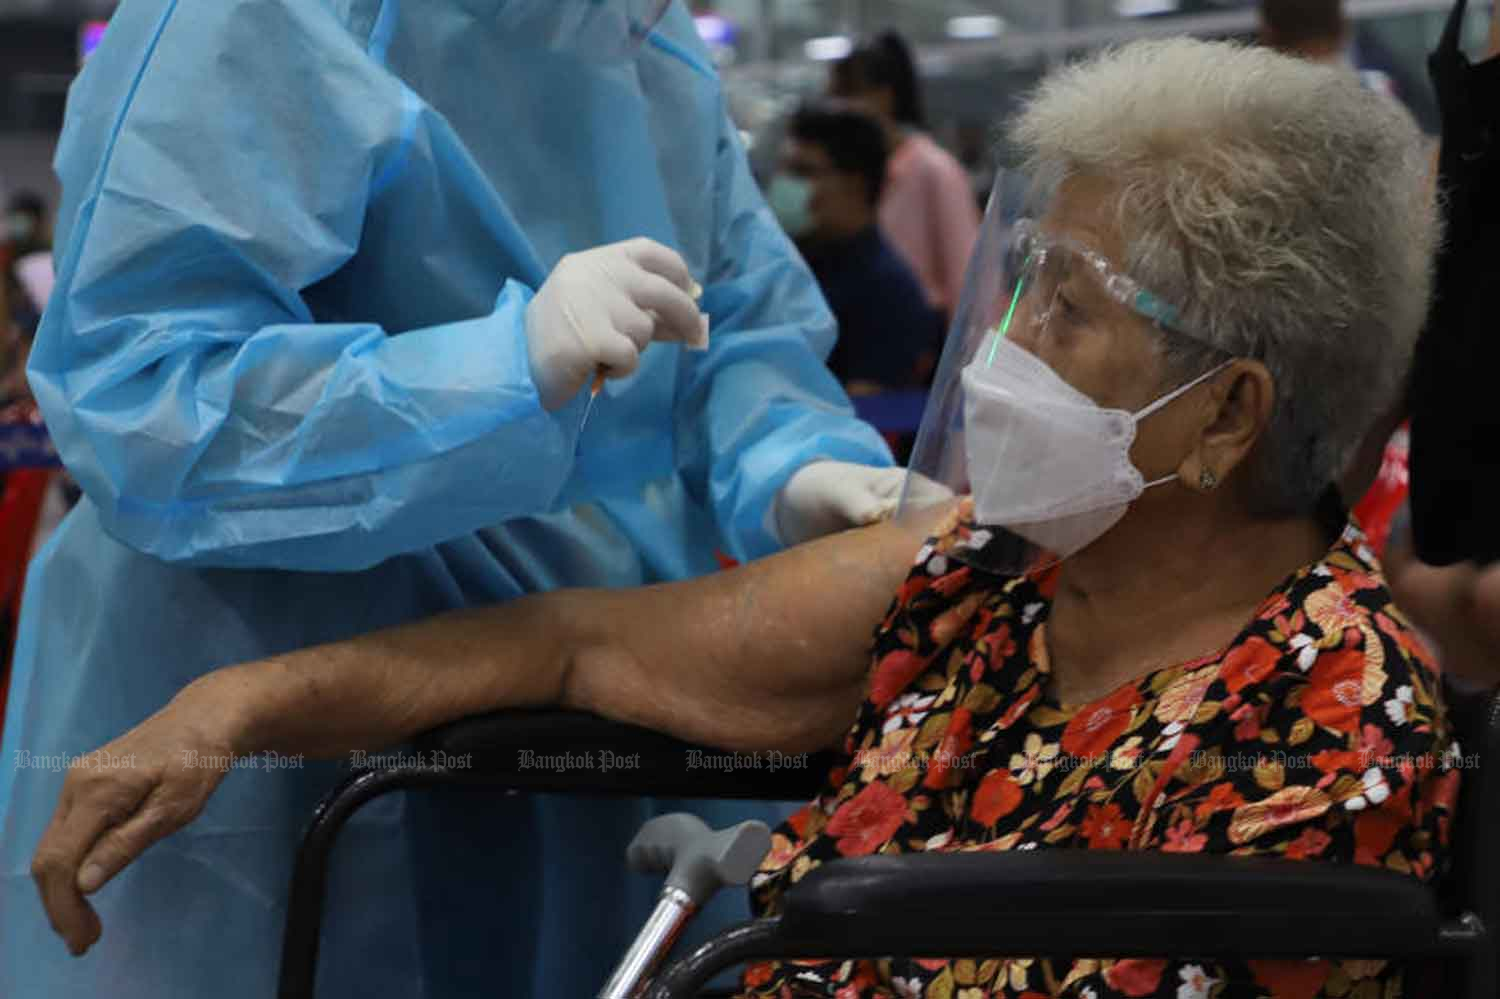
1145, 623
365, 311
26, 228
826, 197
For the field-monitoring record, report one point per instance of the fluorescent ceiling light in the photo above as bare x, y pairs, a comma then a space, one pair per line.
1145, 8
828, 48
975, 26
714, 30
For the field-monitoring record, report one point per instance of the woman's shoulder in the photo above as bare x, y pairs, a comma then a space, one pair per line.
949, 570
1334, 629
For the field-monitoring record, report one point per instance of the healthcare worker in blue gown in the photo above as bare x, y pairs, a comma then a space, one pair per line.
334, 280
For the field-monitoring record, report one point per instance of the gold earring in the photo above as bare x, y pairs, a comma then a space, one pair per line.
1208, 480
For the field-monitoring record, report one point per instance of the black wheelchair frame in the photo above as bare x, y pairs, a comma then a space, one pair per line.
1058, 904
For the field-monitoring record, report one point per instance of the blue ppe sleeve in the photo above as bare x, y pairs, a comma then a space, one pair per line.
761, 403
201, 405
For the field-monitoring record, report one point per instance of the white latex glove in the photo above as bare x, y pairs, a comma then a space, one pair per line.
829, 496
599, 309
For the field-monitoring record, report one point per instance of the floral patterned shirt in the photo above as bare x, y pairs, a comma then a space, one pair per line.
1317, 734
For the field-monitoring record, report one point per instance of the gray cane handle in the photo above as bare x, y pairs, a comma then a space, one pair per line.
697, 860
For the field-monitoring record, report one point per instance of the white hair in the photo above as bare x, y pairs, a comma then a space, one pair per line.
1285, 210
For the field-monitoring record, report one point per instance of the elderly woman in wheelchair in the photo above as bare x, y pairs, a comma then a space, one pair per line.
1145, 621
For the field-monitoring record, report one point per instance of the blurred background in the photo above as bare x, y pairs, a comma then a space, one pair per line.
975, 57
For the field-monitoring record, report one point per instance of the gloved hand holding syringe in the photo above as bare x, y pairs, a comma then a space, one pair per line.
599, 309
601, 374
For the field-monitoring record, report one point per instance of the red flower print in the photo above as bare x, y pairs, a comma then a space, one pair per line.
953, 582
1311, 843
1020, 707
978, 665
1291, 979
1287, 807
758, 974
1135, 977
1334, 761
1105, 827
1222, 798
1335, 690
1182, 839
893, 674
1374, 747
866, 822
1002, 645
1275, 607
1374, 832
914, 585
798, 820
1248, 664
956, 742
997, 797
951, 622
1058, 817
1095, 727
1247, 723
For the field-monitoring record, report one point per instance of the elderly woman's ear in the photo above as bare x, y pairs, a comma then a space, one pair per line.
1240, 401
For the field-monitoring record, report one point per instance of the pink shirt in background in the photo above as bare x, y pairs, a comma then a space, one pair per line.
929, 215
34, 271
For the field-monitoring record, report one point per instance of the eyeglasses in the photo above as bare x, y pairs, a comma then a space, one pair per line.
1040, 264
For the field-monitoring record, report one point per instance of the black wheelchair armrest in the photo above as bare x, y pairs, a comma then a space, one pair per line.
1077, 903
574, 752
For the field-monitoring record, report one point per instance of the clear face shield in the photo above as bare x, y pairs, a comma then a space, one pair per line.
1039, 469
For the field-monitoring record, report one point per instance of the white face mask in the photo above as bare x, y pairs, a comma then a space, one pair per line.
1045, 461
20, 227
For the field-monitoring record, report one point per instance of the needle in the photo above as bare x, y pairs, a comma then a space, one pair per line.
598, 386
593, 394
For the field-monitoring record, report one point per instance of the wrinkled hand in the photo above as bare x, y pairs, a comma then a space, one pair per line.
116, 802
600, 308
829, 496
1457, 607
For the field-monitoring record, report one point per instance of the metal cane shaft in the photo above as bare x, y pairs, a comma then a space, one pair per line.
673, 910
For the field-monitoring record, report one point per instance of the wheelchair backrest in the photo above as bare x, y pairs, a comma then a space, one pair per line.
1474, 884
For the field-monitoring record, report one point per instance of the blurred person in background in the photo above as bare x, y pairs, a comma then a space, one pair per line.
826, 196
25, 283
927, 210
1317, 30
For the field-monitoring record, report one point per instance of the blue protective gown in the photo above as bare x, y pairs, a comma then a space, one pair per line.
286, 362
